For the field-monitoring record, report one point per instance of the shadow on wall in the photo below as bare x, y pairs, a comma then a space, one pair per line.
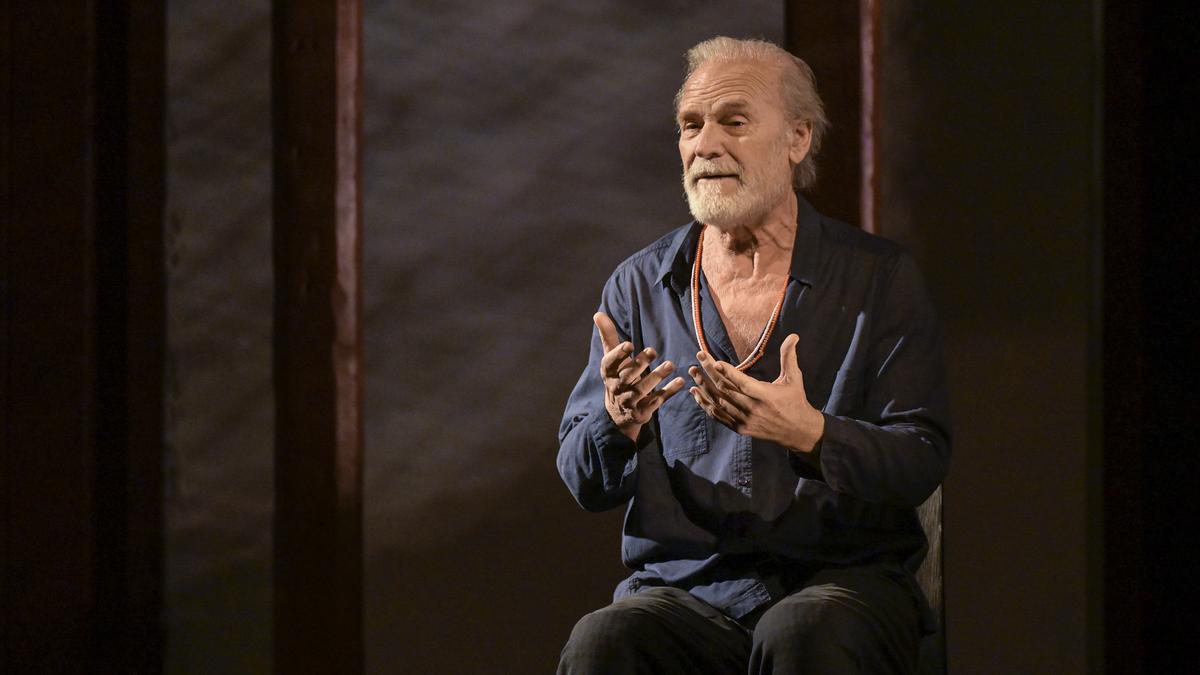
219, 395
516, 152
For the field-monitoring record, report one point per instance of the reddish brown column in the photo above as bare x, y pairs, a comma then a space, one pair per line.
316, 66
839, 40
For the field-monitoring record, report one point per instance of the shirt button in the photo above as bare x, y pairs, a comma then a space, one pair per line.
743, 481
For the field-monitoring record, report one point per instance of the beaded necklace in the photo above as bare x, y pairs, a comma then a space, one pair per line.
757, 352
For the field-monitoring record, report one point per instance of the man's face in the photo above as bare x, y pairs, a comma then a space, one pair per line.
736, 143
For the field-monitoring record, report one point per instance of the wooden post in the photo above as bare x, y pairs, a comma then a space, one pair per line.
840, 41
316, 67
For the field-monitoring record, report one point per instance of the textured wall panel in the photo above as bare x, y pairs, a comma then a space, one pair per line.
515, 152
219, 482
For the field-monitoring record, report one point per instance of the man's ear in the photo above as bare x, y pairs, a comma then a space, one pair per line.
801, 141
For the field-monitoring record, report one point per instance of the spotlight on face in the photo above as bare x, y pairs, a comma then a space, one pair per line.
734, 143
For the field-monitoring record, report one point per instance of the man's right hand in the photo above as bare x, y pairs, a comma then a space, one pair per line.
629, 391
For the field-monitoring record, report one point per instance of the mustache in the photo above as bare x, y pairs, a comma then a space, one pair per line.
704, 168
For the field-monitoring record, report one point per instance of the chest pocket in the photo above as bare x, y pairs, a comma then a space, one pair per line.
684, 428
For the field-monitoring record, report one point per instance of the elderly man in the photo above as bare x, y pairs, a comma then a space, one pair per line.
771, 520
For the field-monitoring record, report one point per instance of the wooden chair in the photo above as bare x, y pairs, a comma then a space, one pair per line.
929, 576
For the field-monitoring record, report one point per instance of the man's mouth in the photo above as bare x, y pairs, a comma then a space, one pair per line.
715, 176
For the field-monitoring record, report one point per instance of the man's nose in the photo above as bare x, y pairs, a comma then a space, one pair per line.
710, 142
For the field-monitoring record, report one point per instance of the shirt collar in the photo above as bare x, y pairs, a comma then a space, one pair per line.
676, 266
806, 251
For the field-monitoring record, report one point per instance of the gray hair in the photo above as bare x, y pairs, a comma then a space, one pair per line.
798, 89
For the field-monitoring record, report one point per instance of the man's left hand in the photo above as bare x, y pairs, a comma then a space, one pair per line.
776, 411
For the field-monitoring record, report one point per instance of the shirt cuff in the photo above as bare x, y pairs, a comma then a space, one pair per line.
838, 438
615, 449
808, 464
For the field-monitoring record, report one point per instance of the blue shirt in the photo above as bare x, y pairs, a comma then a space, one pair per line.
736, 520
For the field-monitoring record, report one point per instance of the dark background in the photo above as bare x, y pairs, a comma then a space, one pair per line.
516, 152
1037, 159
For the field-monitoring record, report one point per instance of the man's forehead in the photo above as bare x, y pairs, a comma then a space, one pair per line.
730, 84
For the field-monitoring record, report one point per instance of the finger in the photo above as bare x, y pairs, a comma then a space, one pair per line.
722, 401
651, 380
703, 382
652, 402
631, 371
715, 372
730, 381
608, 331
615, 359
631, 374
714, 410
721, 384
789, 366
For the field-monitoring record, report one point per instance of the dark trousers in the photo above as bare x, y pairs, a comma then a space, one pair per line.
851, 620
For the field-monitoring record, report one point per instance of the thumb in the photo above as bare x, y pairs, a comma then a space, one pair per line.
789, 366
607, 330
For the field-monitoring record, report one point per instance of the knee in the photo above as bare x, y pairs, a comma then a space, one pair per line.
809, 620
803, 629
606, 636
609, 624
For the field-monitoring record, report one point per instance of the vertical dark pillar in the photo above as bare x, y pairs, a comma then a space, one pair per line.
316, 66
840, 41
1122, 372
49, 373
129, 194
82, 291
144, 153
1149, 290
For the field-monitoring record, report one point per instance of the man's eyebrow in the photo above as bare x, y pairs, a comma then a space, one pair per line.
735, 105
723, 107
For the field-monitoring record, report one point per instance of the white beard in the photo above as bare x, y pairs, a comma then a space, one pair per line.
757, 192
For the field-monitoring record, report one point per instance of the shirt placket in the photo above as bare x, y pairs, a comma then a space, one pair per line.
742, 464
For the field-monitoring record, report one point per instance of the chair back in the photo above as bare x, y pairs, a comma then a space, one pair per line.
929, 577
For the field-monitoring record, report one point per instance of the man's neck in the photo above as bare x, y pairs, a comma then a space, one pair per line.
753, 251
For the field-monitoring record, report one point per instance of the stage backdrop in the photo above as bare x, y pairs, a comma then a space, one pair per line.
516, 152
220, 407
